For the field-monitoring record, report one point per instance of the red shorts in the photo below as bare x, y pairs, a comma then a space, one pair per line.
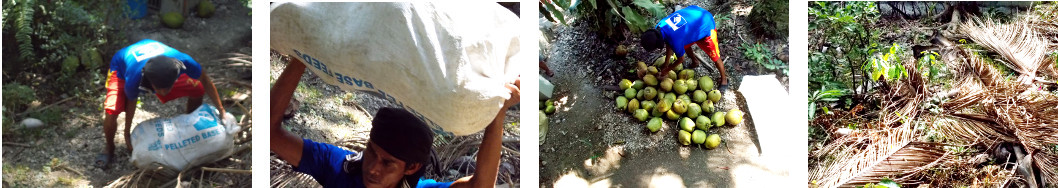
115, 100
709, 45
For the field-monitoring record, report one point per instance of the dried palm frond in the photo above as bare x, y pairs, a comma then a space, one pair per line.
964, 129
1047, 162
901, 102
1018, 42
890, 155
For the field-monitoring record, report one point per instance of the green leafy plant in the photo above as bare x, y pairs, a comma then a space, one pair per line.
818, 96
16, 96
608, 15
762, 55
885, 183
846, 42
886, 65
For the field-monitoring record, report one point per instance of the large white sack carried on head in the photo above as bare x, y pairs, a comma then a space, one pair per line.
183, 141
446, 63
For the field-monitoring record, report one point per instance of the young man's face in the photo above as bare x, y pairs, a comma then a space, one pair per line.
161, 91
382, 170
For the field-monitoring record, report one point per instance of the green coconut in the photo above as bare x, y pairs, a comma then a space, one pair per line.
692, 85
173, 20
649, 93
687, 74
666, 84
718, 118
638, 84
705, 83
672, 75
685, 98
633, 105
712, 141
699, 96
693, 110
205, 9
685, 137
630, 93
650, 80
655, 124
625, 84
549, 108
672, 115
670, 96
656, 113
652, 69
686, 124
703, 123
622, 102
680, 106
641, 114
733, 117
664, 105
680, 86
647, 105
698, 137
714, 95
707, 107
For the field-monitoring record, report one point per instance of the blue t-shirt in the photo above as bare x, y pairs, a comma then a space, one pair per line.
324, 162
129, 61
685, 26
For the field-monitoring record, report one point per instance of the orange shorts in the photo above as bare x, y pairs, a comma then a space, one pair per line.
709, 45
115, 100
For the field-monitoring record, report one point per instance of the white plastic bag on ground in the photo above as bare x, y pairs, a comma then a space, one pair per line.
183, 141
447, 63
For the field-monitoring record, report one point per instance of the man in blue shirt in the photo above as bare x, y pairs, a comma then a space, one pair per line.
397, 151
150, 66
678, 32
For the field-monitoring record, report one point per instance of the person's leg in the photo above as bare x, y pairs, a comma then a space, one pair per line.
113, 104
712, 48
110, 127
694, 58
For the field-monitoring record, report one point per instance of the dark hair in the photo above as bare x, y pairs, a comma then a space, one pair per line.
401, 134
162, 71
651, 40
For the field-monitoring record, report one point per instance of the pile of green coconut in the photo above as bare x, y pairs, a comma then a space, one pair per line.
686, 99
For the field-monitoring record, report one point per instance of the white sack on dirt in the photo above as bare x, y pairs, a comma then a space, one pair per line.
446, 63
183, 141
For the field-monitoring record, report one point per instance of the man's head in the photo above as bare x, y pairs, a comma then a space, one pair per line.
161, 72
399, 148
651, 40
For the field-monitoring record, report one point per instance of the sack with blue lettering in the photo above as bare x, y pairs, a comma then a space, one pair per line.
447, 63
183, 141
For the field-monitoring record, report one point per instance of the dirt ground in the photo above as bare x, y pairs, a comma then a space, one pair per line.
589, 141
62, 154
327, 114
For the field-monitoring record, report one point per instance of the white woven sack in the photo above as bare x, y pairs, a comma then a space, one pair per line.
447, 63
183, 141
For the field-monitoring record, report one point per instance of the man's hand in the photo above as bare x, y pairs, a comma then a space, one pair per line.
516, 94
488, 163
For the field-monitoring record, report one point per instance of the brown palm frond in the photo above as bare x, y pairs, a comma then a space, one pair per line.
1018, 42
1047, 162
891, 155
901, 102
970, 129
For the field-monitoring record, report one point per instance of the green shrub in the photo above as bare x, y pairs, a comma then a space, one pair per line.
770, 19
16, 96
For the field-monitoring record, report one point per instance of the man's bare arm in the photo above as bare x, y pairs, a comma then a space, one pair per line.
285, 144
